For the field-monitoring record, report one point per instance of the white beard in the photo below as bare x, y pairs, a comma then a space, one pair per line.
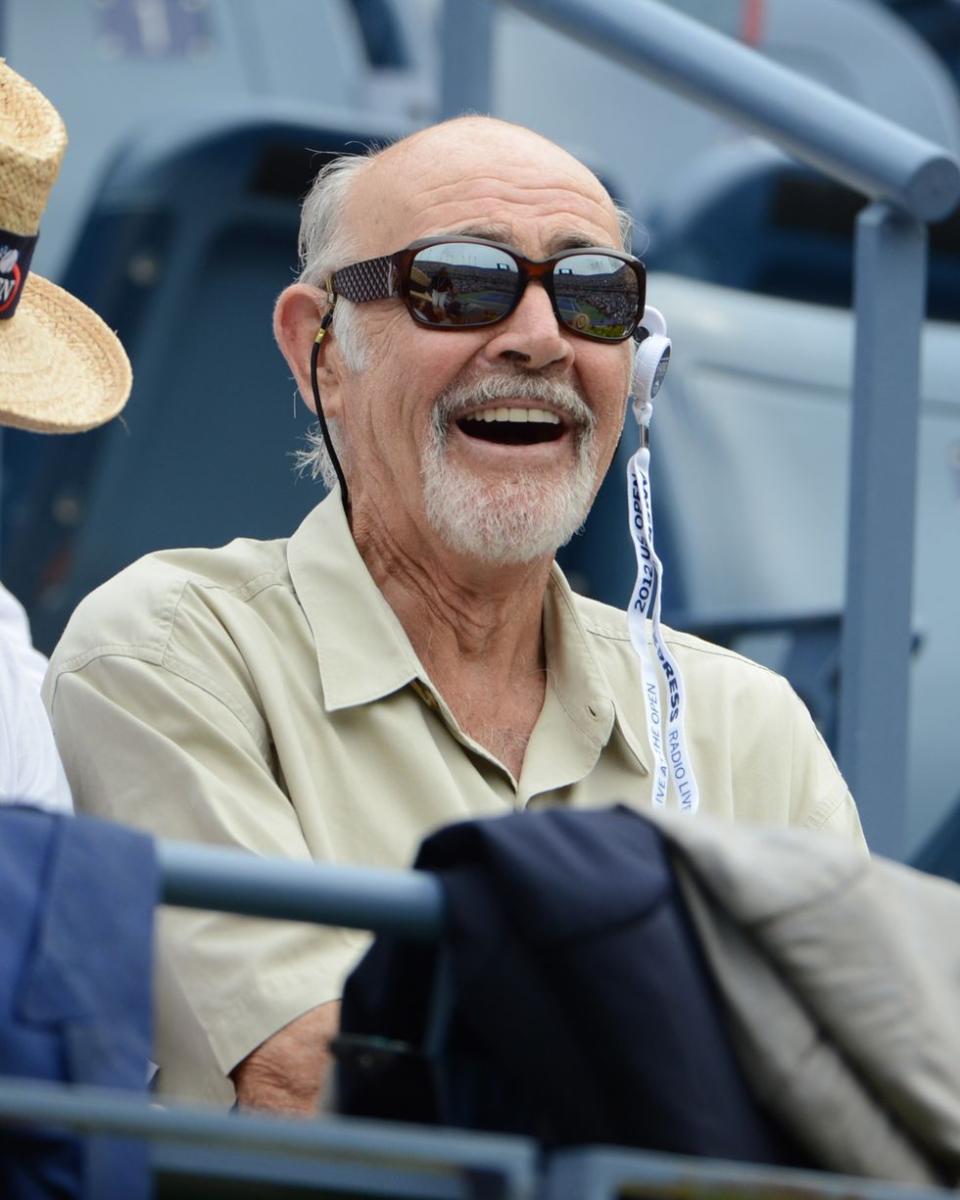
510, 520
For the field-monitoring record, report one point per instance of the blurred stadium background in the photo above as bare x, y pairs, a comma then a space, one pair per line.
195, 128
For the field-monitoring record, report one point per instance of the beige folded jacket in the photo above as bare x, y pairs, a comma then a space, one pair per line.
842, 978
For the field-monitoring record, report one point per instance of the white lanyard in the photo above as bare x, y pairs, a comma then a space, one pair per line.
669, 745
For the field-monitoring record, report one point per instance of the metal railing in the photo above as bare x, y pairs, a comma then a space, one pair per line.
603, 1173
335, 1155
407, 903
910, 181
192, 1145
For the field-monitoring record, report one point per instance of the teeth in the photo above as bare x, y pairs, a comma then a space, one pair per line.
535, 415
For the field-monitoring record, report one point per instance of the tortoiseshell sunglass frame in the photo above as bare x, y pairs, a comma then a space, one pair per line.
389, 277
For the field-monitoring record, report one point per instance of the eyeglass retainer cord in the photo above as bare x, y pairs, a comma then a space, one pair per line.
321, 419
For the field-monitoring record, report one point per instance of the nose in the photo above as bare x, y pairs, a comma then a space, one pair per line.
530, 337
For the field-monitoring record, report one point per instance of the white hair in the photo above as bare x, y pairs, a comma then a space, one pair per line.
325, 246
625, 226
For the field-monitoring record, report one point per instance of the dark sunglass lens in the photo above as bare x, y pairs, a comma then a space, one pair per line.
460, 283
597, 294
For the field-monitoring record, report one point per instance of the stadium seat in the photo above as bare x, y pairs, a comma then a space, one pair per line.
192, 236
752, 268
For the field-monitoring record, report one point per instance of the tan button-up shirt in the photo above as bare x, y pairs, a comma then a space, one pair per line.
264, 695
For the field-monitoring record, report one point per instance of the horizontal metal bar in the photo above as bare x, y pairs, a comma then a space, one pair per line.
194, 1165
845, 140
407, 903
332, 1139
603, 1174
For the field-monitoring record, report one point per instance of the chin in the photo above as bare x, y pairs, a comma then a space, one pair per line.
508, 522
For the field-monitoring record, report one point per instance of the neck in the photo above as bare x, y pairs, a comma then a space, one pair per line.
476, 628
461, 615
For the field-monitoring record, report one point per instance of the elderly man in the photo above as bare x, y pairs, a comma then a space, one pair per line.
411, 656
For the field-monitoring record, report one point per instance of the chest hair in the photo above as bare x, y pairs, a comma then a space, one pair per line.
503, 724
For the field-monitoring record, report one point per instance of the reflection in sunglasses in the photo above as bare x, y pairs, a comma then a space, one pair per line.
471, 282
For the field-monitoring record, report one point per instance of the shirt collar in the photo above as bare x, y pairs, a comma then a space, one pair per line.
364, 654
577, 678
363, 651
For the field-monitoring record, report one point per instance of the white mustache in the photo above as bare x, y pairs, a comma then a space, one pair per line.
562, 398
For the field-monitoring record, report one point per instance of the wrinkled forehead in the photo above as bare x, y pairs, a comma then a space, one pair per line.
518, 186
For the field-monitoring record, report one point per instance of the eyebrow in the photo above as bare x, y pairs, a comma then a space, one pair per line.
572, 239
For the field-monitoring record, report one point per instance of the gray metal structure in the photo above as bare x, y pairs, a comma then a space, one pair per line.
191, 1146
466, 49
912, 181
601, 1173
405, 903
890, 277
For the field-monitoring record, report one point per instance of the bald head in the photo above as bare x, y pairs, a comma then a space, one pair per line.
360, 205
479, 169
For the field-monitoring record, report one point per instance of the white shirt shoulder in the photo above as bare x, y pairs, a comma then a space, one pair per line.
30, 767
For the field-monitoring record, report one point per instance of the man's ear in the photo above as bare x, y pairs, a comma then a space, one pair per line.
297, 317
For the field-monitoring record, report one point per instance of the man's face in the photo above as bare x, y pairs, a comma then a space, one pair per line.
422, 460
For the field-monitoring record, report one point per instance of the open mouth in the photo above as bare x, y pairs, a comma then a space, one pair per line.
513, 426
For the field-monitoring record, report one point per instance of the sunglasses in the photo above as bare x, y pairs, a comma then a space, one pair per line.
466, 282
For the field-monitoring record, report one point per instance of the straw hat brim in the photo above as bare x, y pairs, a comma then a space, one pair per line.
61, 369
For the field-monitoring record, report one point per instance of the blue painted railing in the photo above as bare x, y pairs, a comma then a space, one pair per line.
910, 181
191, 1145
407, 903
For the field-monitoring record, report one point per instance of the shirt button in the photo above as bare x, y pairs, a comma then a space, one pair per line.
593, 712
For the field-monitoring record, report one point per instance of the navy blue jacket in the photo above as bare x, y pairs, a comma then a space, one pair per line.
580, 1008
77, 898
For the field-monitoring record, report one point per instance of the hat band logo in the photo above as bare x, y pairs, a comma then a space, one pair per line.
16, 252
10, 288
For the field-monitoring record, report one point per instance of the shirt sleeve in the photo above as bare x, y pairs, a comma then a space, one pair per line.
821, 798
147, 746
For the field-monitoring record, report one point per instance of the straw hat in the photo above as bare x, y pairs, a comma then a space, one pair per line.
61, 368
